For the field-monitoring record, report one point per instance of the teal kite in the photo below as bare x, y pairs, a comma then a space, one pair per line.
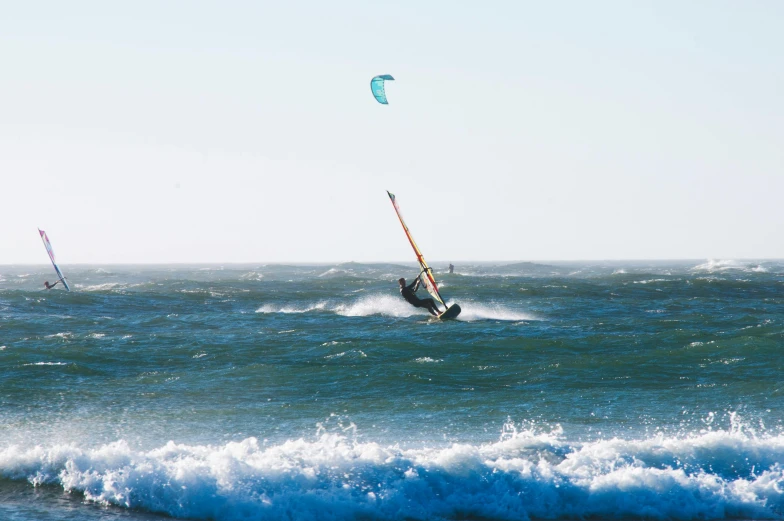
377, 86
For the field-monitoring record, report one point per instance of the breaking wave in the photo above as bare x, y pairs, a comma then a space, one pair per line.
727, 265
716, 474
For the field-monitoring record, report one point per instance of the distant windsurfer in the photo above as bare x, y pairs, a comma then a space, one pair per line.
451, 268
50, 286
408, 293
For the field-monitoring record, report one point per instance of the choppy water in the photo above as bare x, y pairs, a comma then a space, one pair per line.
623, 390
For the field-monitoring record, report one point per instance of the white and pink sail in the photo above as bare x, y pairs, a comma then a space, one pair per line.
50, 251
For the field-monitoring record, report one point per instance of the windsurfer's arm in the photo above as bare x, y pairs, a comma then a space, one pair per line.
414, 285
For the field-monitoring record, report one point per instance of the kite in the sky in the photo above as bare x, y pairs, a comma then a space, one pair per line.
377, 86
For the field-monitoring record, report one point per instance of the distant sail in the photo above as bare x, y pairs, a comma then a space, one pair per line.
377, 86
50, 251
427, 274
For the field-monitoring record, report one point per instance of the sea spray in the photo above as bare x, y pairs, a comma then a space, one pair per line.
528, 473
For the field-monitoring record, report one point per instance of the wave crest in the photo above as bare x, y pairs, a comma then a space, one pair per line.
714, 265
524, 475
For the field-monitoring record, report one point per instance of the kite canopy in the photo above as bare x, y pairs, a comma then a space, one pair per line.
377, 86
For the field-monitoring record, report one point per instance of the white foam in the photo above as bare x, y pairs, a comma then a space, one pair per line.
364, 306
650, 281
45, 363
385, 305
102, 287
64, 335
714, 265
392, 306
427, 360
472, 311
276, 308
354, 353
527, 474
334, 272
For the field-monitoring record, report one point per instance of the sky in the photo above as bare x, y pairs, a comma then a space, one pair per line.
245, 131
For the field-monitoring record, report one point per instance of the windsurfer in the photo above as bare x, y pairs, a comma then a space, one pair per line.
451, 268
411, 298
50, 286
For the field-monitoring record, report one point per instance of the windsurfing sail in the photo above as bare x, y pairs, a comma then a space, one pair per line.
50, 251
427, 273
377, 86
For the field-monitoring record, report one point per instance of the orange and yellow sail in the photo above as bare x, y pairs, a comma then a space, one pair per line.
427, 274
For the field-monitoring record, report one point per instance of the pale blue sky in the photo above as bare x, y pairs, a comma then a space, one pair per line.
246, 131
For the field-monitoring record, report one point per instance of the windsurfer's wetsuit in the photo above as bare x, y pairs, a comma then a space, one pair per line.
408, 293
50, 286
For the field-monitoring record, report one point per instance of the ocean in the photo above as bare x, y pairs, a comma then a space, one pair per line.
601, 390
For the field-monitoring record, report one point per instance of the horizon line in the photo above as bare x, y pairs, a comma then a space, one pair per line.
326, 262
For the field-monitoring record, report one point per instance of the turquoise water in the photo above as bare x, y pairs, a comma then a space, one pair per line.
611, 390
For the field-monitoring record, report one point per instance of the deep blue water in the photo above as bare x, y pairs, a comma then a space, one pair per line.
611, 390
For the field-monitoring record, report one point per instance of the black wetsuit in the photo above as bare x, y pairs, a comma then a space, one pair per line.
408, 293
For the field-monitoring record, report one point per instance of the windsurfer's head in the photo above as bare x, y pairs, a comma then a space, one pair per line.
46, 284
401, 281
